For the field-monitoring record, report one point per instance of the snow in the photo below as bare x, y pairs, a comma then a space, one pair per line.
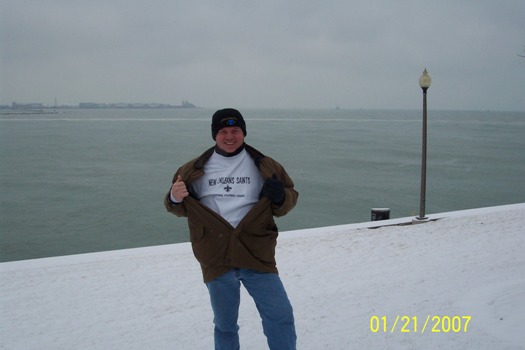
467, 263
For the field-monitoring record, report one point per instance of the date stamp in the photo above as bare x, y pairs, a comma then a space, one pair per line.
415, 324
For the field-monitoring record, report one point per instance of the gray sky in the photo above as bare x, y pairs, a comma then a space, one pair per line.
274, 54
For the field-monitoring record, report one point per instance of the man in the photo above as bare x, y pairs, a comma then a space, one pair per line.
230, 194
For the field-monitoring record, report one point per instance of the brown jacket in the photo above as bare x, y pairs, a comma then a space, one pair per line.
216, 244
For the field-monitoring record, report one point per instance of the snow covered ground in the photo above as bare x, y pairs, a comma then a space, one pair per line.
348, 284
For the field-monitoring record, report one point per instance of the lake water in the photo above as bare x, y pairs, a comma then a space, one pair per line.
92, 180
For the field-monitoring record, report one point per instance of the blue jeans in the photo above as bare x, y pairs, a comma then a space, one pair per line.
271, 300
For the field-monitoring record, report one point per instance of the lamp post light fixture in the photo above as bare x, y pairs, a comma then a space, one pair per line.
424, 81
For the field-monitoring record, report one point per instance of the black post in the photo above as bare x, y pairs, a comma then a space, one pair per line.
422, 199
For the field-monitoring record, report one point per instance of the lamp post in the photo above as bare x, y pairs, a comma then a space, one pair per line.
424, 82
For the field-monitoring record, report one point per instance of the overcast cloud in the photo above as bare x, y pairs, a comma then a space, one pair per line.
275, 54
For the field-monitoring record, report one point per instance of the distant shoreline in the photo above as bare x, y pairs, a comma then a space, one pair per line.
38, 108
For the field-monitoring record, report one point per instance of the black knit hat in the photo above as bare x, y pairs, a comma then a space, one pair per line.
227, 117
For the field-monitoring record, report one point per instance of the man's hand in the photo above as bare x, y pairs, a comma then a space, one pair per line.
179, 190
274, 190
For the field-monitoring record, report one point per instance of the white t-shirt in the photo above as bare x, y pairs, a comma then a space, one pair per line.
230, 186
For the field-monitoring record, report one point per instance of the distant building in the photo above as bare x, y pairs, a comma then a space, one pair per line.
92, 105
89, 105
15, 105
186, 104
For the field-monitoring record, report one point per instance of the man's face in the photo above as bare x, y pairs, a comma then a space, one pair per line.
229, 138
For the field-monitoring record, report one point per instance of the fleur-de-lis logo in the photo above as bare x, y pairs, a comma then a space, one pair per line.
227, 188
